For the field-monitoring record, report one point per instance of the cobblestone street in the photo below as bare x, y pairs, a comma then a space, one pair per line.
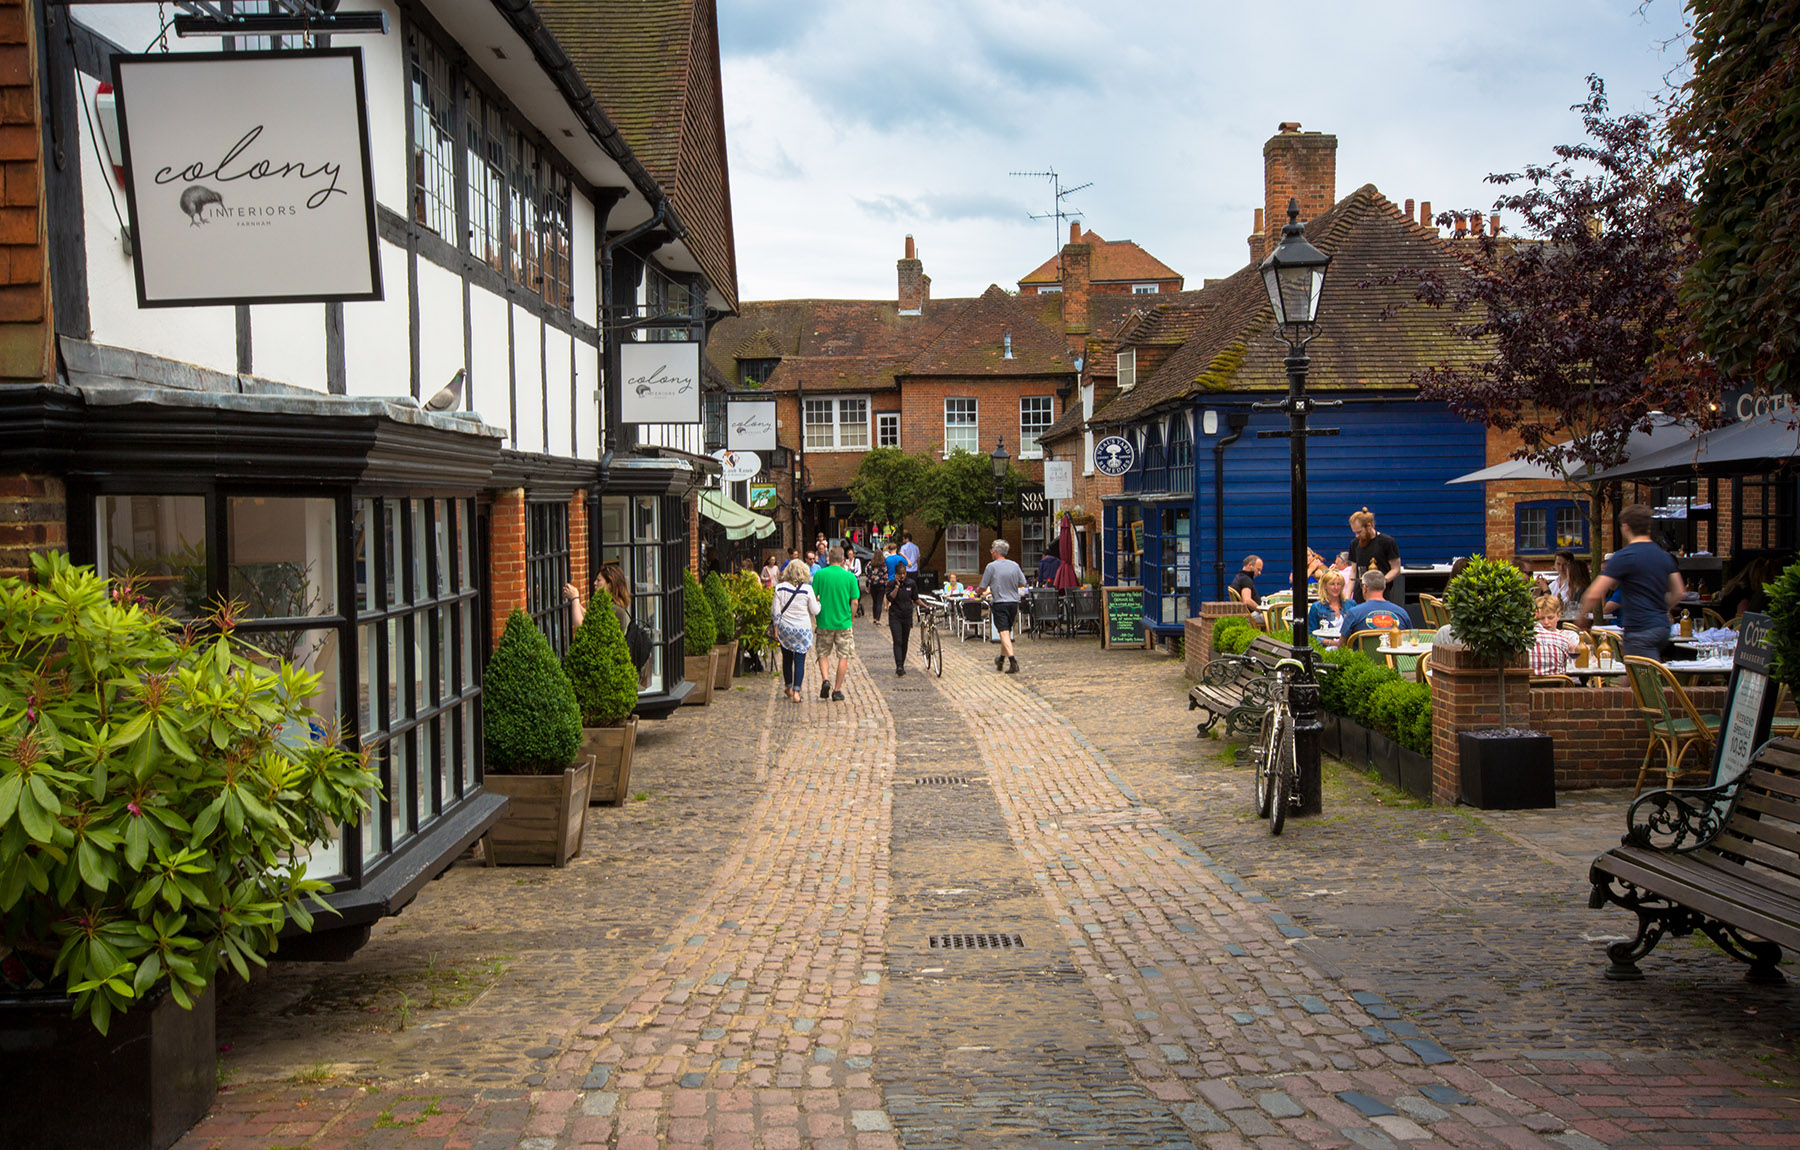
990, 910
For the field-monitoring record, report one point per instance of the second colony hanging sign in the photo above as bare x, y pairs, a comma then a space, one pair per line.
248, 177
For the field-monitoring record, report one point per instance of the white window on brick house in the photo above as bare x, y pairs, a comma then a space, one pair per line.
960, 543
1128, 369
1049, 289
837, 424
887, 429
960, 432
1143, 289
1087, 437
1035, 416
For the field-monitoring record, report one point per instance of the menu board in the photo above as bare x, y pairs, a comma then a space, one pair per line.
1122, 616
1749, 702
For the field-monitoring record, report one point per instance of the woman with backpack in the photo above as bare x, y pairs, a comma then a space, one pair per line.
618, 589
795, 607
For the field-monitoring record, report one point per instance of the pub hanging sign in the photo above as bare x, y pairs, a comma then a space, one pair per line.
248, 177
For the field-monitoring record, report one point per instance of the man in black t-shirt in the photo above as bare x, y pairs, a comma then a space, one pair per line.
1370, 550
1649, 587
1243, 588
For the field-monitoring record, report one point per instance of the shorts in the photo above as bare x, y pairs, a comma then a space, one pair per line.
835, 644
1005, 615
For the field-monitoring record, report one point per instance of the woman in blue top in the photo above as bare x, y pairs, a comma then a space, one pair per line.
1329, 610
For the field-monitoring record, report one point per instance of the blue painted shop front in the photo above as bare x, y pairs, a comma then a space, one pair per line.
1393, 456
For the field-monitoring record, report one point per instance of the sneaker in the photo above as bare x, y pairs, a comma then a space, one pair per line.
825, 691
900, 671
1012, 666
837, 696
999, 662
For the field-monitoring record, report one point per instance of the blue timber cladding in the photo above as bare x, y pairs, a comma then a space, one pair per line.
1393, 456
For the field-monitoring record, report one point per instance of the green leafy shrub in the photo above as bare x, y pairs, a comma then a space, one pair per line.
1377, 697
530, 721
159, 789
754, 606
1784, 627
599, 668
1238, 639
724, 616
702, 632
1491, 612
1224, 625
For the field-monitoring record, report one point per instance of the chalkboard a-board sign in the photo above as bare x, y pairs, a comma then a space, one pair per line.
1122, 613
1749, 701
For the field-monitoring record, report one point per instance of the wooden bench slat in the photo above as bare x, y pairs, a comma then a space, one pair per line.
1778, 867
1761, 780
1733, 882
1776, 810
1698, 888
1771, 831
1777, 755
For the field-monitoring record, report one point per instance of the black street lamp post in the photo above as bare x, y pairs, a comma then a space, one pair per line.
1294, 275
1000, 460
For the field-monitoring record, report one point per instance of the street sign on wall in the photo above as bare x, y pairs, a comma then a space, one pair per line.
659, 382
247, 177
750, 424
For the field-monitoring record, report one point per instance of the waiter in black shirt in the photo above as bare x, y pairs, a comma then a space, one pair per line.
1370, 550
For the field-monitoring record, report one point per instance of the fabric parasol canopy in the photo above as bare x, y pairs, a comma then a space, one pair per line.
1747, 447
738, 521
1064, 576
1665, 432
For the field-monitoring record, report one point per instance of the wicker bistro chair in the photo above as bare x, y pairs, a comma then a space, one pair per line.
1436, 614
1370, 642
1553, 681
1675, 724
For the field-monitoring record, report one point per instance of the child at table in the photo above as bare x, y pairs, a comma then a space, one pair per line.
1551, 646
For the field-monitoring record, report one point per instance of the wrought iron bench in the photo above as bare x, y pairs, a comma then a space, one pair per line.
1236, 688
1722, 860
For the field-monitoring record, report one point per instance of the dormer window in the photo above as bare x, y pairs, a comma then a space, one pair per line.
1144, 289
1128, 369
755, 372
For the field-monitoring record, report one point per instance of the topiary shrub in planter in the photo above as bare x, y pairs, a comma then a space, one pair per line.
700, 635
531, 732
1784, 628
1502, 768
753, 605
725, 641
159, 790
599, 668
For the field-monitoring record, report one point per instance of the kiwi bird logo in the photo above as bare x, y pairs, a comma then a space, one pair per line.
194, 200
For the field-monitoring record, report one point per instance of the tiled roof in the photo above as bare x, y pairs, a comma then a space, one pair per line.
1113, 261
974, 343
829, 344
837, 373
759, 344
1360, 344
653, 66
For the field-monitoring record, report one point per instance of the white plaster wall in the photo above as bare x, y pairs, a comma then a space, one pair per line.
587, 408
440, 327
488, 373
556, 387
287, 342
584, 245
377, 358
529, 381
384, 85
202, 335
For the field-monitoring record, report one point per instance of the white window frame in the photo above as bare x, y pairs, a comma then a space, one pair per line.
1145, 289
840, 423
1127, 365
1049, 289
962, 540
887, 427
1028, 443
973, 423
1087, 436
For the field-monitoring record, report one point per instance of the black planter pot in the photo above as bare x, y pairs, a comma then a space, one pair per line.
1353, 744
1415, 773
1384, 758
138, 1087
1506, 771
1328, 734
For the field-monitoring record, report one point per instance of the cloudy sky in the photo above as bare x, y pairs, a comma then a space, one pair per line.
853, 123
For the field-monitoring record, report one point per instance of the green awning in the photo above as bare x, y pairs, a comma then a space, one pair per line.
738, 521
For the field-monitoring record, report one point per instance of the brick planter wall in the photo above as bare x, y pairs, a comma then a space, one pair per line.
1197, 648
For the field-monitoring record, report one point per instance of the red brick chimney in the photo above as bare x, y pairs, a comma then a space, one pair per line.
1077, 260
1259, 243
1425, 220
1301, 165
915, 285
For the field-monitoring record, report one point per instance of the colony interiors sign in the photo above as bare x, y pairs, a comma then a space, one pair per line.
248, 177
659, 382
750, 424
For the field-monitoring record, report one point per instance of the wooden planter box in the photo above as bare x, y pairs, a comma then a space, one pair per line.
139, 1087
724, 665
545, 817
701, 670
610, 748
1507, 772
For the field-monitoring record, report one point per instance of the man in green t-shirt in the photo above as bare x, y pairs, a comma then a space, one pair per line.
838, 593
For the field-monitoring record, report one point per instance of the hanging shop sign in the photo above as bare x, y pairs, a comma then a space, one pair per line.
1059, 479
1031, 501
762, 497
247, 177
659, 382
740, 466
750, 424
1114, 455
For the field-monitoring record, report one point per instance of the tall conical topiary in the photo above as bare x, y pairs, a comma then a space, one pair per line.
599, 666
531, 725
702, 632
724, 617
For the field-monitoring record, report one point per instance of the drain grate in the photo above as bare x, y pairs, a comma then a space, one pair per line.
990, 940
942, 780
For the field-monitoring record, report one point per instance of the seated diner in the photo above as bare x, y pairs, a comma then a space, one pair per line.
1328, 610
1374, 613
1551, 647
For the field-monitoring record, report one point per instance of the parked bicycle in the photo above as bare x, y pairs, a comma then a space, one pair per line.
1277, 768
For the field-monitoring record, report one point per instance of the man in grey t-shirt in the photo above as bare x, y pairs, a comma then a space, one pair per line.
1002, 580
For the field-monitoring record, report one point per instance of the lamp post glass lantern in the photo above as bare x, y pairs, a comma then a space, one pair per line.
1000, 460
1294, 277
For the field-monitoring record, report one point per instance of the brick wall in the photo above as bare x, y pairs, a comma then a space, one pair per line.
1300, 165
506, 561
33, 517
578, 542
25, 322
1198, 648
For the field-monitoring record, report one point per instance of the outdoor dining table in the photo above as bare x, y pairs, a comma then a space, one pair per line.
1717, 665
1596, 670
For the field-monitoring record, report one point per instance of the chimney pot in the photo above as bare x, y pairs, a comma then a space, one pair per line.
1074, 232
1409, 209
910, 253
1494, 224
1290, 126
1296, 165
1474, 223
1425, 215
1258, 226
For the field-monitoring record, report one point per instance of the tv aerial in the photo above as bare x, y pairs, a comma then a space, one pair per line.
1057, 212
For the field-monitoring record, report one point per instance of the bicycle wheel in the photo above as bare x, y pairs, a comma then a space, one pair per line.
936, 659
1262, 758
1284, 779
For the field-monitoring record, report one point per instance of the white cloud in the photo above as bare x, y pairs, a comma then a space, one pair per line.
853, 124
